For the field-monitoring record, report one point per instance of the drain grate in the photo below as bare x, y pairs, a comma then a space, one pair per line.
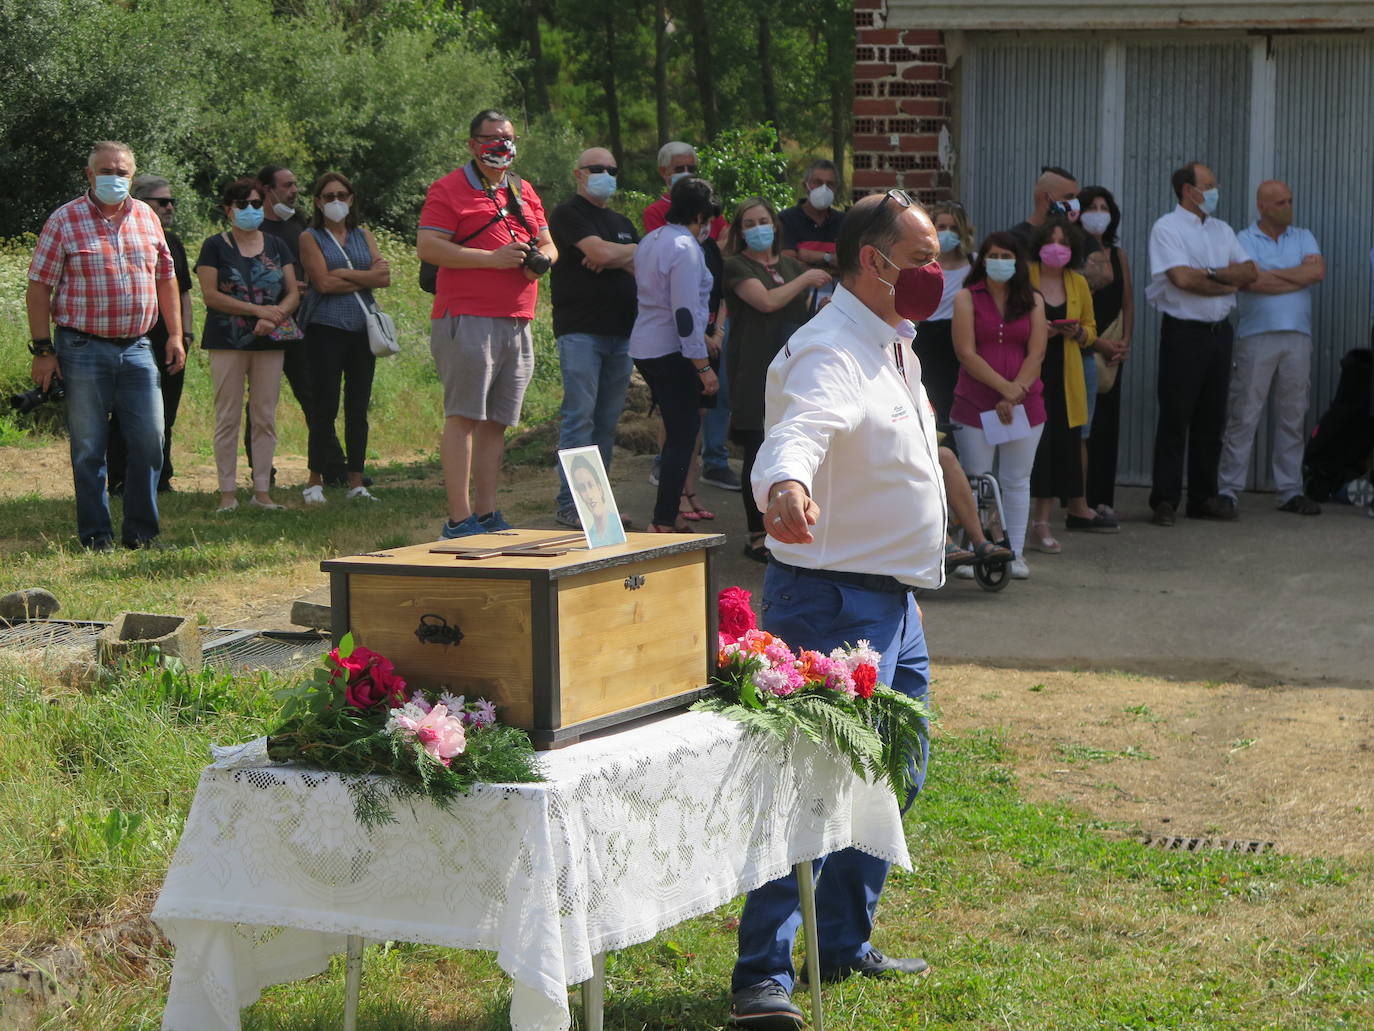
227, 648
1177, 843
252, 650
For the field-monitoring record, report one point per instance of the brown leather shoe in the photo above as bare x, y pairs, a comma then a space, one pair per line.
1162, 514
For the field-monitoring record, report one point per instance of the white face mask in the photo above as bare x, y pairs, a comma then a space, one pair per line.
283, 211
335, 210
1096, 222
821, 197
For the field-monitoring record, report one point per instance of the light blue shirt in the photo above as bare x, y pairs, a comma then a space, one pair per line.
674, 287
1276, 313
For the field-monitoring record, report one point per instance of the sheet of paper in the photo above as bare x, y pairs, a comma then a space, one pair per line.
1000, 433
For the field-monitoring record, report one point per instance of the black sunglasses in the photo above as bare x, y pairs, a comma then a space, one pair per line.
609, 169
899, 197
689, 169
161, 202
335, 196
241, 204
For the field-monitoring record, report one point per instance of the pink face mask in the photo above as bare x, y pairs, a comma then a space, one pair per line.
1055, 255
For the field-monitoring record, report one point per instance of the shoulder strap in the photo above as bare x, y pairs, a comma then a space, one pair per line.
357, 294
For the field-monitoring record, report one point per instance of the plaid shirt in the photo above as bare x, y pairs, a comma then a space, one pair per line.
103, 273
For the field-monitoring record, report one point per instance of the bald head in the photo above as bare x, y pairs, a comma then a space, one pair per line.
1275, 203
595, 161
1053, 185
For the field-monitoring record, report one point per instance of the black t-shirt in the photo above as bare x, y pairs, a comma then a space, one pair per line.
158, 334
267, 272
586, 301
288, 232
800, 233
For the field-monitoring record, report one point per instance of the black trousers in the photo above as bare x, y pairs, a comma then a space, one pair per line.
934, 346
1194, 375
676, 387
338, 358
1102, 445
749, 442
117, 452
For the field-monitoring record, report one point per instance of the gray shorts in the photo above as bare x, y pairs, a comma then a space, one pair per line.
484, 363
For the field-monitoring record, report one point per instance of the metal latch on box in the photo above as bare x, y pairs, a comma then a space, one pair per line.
634, 583
434, 629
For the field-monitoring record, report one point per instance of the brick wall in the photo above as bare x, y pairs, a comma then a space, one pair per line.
901, 102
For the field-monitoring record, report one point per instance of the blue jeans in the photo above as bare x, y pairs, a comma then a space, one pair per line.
103, 377
596, 375
715, 422
809, 612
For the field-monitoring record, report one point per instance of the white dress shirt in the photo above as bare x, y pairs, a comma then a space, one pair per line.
844, 420
1181, 239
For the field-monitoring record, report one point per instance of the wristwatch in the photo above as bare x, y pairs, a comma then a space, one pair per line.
188, 338
703, 368
41, 347
1212, 274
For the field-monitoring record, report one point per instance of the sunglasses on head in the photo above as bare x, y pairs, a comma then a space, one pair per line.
161, 202
241, 204
899, 197
608, 169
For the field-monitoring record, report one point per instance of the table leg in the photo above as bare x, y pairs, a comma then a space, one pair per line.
353, 981
594, 994
806, 889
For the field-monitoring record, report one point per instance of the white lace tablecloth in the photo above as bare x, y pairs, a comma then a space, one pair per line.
631, 834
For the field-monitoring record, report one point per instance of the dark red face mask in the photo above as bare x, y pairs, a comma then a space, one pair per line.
918, 291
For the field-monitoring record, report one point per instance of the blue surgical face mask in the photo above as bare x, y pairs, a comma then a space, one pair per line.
759, 238
601, 185
111, 189
1000, 269
1210, 199
248, 218
676, 178
949, 240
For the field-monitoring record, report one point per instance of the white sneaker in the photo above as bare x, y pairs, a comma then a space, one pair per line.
1019, 569
963, 572
360, 493
313, 495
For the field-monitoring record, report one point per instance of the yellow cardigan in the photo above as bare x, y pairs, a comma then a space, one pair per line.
1079, 306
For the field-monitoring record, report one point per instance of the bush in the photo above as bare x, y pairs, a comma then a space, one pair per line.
743, 163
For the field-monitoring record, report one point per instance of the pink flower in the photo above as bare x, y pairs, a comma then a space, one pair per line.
774, 681
779, 654
440, 734
736, 614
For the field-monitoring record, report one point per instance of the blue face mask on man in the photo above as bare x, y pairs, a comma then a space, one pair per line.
1210, 198
759, 238
111, 189
601, 185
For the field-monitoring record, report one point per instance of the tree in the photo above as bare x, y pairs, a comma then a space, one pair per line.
705, 77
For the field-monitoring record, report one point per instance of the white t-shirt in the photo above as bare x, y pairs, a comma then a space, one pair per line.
1181, 239
954, 282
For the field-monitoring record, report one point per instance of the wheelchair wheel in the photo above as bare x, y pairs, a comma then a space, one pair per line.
992, 576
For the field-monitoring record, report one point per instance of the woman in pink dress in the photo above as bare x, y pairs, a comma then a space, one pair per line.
999, 337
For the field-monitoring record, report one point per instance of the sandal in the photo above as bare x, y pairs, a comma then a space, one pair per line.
956, 556
1044, 541
990, 552
678, 527
756, 549
696, 512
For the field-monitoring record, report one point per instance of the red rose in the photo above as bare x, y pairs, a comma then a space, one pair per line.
392, 687
364, 693
736, 614
865, 679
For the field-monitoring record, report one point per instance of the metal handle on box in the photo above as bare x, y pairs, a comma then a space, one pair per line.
434, 629
634, 583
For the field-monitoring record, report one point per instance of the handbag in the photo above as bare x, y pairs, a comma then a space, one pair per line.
1106, 374
381, 327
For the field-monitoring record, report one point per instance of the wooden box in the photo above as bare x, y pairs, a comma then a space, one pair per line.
564, 640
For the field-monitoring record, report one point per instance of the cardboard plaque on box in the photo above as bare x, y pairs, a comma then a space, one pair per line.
565, 641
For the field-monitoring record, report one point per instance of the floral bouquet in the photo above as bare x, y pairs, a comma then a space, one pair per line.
354, 716
833, 700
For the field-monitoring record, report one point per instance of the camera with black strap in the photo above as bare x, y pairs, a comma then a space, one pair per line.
536, 261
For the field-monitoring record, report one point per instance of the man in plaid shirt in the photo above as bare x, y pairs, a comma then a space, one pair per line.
100, 274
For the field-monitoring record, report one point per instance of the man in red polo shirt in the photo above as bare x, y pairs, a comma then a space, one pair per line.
485, 230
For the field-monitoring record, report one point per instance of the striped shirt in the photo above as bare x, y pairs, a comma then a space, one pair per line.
103, 272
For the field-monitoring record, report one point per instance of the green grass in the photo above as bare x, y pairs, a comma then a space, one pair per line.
1031, 915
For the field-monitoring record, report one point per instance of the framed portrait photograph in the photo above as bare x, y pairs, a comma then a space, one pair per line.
591, 491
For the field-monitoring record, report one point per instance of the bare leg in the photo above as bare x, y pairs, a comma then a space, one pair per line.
960, 497
455, 456
488, 448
